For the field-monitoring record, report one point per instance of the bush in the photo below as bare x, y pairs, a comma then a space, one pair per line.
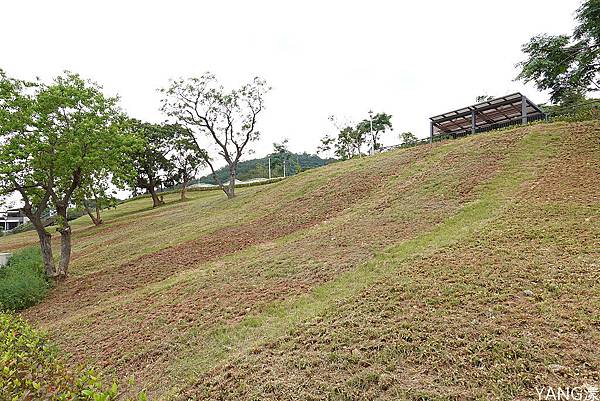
585, 110
30, 368
579, 115
23, 281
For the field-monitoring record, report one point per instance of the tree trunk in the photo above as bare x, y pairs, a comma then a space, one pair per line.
46, 248
98, 218
65, 242
231, 187
183, 190
155, 199
45, 241
65, 252
95, 219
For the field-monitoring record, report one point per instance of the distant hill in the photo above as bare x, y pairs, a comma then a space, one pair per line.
259, 168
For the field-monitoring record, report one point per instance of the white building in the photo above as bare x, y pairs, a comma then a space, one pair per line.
11, 219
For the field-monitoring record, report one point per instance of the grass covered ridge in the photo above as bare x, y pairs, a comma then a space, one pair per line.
465, 269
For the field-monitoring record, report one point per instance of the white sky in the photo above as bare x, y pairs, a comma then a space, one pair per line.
412, 59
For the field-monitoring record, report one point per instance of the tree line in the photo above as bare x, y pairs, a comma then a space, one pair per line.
66, 143
355, 140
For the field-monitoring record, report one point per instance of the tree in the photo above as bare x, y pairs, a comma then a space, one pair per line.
280, 156
259, 170
374, 127
186, 158
408, 139
227, 118
327, 144
355, 137
54, 137
97, 189
352, 137
149, 160
95, 193
295, 166
566, 65
344, 146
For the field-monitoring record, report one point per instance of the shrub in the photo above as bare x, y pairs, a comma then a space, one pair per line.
579, 115
580, 111
22, 281
30, 368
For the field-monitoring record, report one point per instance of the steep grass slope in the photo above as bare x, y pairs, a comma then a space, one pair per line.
467, 269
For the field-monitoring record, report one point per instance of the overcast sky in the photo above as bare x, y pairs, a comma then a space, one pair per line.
412, 59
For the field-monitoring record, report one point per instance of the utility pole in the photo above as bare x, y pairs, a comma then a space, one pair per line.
284, 169
371, 121
269, 168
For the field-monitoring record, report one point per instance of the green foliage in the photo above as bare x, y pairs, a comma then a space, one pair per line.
283, 162
186, 157
352, 137
22, 280
572, 112
30, 369
158, 157
348, 143
374, 127
55, 137
259, 168
566, 65
408, 139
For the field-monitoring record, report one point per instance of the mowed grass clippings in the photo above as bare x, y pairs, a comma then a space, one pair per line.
171, 316
183, 308
325, 201
234, 277
492, 316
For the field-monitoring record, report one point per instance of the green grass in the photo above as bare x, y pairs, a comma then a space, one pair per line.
22, 280
402, 278
280, 318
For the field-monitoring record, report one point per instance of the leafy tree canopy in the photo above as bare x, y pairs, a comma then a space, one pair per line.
408, 138
149, 163
374, 127
566, 65
351, 137
55, 137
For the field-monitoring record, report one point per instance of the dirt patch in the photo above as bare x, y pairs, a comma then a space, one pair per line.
7, 247
306, 211
488, 318
348, 220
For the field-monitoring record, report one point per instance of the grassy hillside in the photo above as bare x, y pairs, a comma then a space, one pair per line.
466, 269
